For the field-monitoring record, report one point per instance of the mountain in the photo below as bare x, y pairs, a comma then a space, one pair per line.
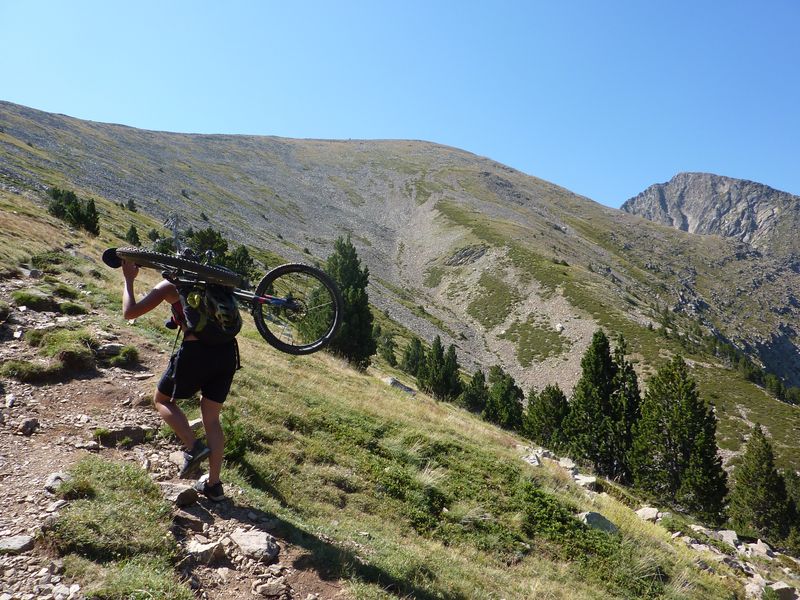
765, 218
511, 269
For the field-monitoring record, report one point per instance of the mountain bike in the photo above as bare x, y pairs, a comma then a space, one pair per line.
297, 308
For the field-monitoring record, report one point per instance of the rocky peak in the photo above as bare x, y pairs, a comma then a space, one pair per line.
704, 203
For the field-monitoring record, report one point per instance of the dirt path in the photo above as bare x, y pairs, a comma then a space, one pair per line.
44, 429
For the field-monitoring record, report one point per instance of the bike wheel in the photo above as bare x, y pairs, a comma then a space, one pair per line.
162, 262
302, 310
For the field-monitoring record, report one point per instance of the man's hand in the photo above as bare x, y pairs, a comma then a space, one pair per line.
129, 270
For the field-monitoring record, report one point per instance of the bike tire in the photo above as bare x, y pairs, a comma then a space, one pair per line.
158, 261
316, 320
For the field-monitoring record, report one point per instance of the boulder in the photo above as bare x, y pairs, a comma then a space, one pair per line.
28, 426
205, 553
597, 521
110, 349
16, 544
729, 537
783, 591
587, 481
648, 513
178, 494
55, 481
532, 459
257, 545
566, 463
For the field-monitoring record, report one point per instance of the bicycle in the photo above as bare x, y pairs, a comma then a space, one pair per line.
297, 308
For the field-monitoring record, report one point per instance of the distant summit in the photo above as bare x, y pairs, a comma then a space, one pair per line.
704, 203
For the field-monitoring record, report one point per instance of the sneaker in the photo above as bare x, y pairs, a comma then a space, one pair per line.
212, 492
192, 460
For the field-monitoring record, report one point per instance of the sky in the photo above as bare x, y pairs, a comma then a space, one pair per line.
602, 97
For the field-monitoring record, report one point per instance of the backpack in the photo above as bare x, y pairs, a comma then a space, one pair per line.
210, 312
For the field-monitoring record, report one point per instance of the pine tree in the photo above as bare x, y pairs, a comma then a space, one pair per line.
386, 348
626, 407
452, 374
432, 376
545, 415
132, 237
758, 502
674, 454
240, 261
131, 206
475, 394
589, 428
91, 220
354, 341
504, 403
413, 357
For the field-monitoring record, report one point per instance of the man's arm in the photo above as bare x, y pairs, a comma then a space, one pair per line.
132, 309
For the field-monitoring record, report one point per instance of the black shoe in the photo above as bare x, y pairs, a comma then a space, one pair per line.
192, 460
212, 492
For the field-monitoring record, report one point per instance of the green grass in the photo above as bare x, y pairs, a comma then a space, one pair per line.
71, 347
115, 533
72, 308
495, 300
31, 372
535, 339
128, 357
34, 300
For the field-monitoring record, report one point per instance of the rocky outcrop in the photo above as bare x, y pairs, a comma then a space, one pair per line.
711, 204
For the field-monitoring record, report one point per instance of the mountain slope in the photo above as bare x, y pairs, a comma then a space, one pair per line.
512, 269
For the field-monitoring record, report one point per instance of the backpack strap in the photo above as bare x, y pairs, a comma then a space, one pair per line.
174, 361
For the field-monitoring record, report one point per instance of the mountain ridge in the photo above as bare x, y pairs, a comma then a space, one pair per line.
411, 207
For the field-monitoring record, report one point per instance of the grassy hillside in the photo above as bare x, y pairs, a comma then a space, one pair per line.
392, 495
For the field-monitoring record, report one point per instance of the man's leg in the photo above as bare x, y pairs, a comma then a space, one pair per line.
214, 437
174, 417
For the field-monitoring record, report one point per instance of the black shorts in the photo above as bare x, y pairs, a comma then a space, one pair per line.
200, 367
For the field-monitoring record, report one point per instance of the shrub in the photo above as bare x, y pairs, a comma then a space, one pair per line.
5, 309
65, 205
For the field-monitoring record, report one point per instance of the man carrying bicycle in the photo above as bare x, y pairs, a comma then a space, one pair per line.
197, 366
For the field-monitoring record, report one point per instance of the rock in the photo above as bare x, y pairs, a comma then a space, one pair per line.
61, 592
205, 553
567, 463
28, 426
11, 399
648, 513
532, 459
782, 590
559, 327
176, 457
760, 549
257, 545
700, 529
133, 434
55, 481
196, 424
597, 521
392, 382
189, 521
729, 537
587, 481
109, 349
56, 506
270, 589
178, 493
16, 544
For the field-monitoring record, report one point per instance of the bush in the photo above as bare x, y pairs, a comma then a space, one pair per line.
65, 205
5, 310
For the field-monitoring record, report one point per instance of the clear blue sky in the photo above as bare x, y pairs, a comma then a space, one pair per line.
603, 97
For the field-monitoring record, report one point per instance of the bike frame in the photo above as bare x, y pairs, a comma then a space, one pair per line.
243, 295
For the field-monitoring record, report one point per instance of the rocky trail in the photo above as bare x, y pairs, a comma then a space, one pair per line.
229, 549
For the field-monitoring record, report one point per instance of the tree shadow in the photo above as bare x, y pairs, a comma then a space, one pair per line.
330, 561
